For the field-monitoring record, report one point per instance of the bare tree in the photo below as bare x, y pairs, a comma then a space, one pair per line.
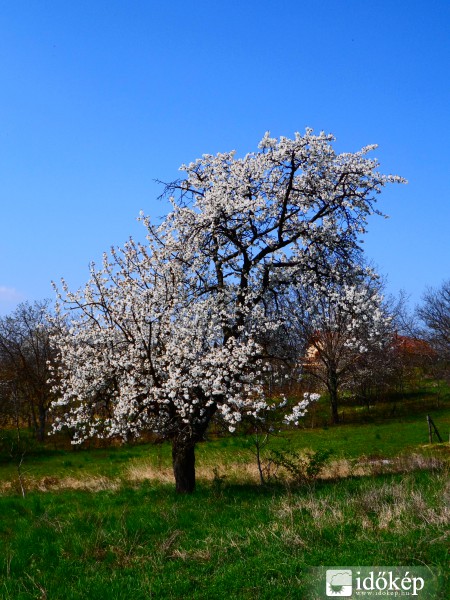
434, 312
25, 353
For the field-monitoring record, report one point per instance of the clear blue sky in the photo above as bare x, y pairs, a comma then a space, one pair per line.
100, 98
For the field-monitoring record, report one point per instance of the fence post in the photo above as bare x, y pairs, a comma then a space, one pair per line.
430, 432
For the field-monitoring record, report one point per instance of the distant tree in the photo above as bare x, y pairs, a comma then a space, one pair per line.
434, 312
25, 353
386, 367
349, 333
164, 337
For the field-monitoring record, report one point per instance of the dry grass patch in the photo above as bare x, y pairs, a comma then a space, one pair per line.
93, 484
238, 472
323, 512
235, 472
363, 467
50, 484
397, 506
193, 555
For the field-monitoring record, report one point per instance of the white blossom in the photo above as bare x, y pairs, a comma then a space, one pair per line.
163, 335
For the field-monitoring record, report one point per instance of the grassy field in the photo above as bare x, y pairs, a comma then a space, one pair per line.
106, 523
225, 541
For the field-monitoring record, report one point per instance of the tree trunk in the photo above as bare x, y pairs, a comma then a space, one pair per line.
32, 415
183, 460
183, 448
42, 422
334, 409
333, 391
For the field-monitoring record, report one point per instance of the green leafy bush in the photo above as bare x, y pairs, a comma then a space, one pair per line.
301, 466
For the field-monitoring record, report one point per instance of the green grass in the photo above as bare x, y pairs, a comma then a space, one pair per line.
385, 430
130, 537
384, 439
233, 542
352, 440
418, 398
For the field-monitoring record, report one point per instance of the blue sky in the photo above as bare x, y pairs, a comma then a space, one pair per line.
99, 99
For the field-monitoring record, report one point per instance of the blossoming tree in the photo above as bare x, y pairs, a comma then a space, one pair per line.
348, 328
163, 336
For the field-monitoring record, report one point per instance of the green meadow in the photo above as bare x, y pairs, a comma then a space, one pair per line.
105, 523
